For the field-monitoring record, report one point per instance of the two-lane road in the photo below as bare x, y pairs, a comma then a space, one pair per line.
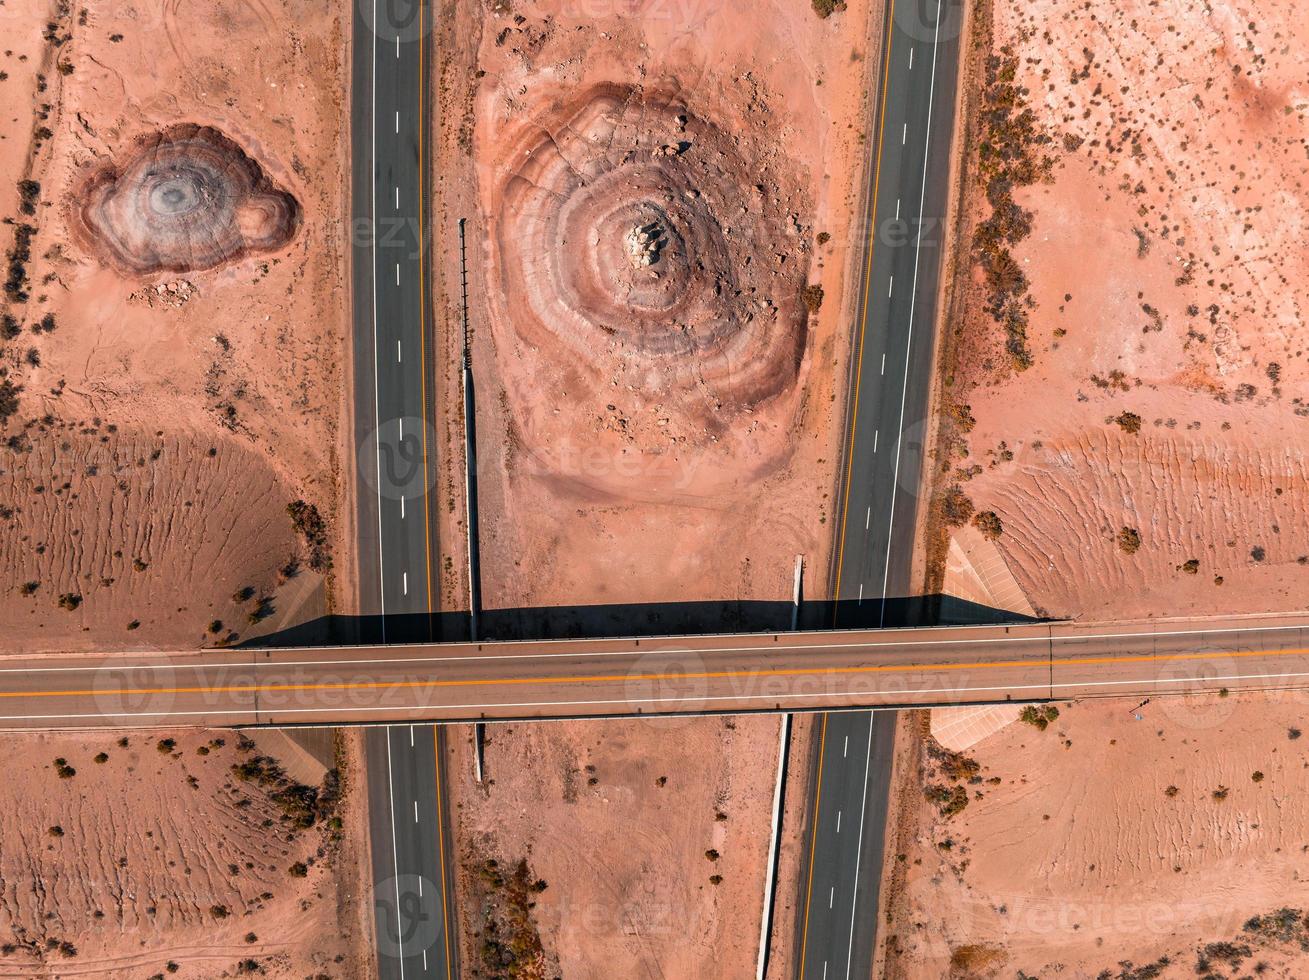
889, 386
728, 674
394, 404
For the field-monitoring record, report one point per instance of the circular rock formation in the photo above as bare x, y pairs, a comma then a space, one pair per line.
648, 267
188, 199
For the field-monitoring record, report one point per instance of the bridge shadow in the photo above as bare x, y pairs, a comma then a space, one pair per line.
639, 620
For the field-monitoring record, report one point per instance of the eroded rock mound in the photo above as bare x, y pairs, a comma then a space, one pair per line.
644, 255
188, 199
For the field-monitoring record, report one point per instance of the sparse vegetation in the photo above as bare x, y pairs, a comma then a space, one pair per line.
989, 524
511, 943
1010, 154
64, 770
956, 508
949, 800
825, 8
8, 400
1129, 540
813, 297
302, 806
1129, 422
1039, 716
70, 600
309, 524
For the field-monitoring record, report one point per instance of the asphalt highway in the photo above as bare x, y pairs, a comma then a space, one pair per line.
673, 675
393, 406
890, 383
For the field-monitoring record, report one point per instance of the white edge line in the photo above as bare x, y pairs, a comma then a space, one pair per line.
859, 850
891, 645
913, 299
745, 700
377, 408
395, 855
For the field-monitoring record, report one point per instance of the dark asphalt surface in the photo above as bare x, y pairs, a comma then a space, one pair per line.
394, 442
886, 428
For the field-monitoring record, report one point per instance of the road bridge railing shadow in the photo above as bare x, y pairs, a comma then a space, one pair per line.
694, 618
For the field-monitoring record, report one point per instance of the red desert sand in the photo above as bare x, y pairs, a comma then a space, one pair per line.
171, 379
1124, 395
174, 318
182, 853
659, 200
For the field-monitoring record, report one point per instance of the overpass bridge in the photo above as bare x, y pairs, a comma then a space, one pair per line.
500, 681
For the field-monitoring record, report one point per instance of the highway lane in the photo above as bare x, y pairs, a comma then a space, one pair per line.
888, 397
410, 873
393, 406
674, 675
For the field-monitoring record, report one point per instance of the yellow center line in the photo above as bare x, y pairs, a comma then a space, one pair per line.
951, 666
813, 845
863, 315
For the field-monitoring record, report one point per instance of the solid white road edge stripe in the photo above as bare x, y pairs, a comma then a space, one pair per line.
745, 699
670, 651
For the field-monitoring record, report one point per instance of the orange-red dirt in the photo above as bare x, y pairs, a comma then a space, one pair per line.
652, 191
165, 420
1134, 418
151, 851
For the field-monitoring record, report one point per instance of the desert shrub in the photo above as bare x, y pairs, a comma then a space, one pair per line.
1171, 791
301, 805
8, 400
1129, 540
9, 327
29, 588
298, 870
813, 297
1191, 566
64, 770
1039, 717
29, 192
1220, 793
101, 758
19, 256
1285, 925
70, 600
825, 8
963, 416
824, 238
949, 800
712, 854
1129, 422
956, 508
309, 524
989, 524
1257, 776
165, 745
